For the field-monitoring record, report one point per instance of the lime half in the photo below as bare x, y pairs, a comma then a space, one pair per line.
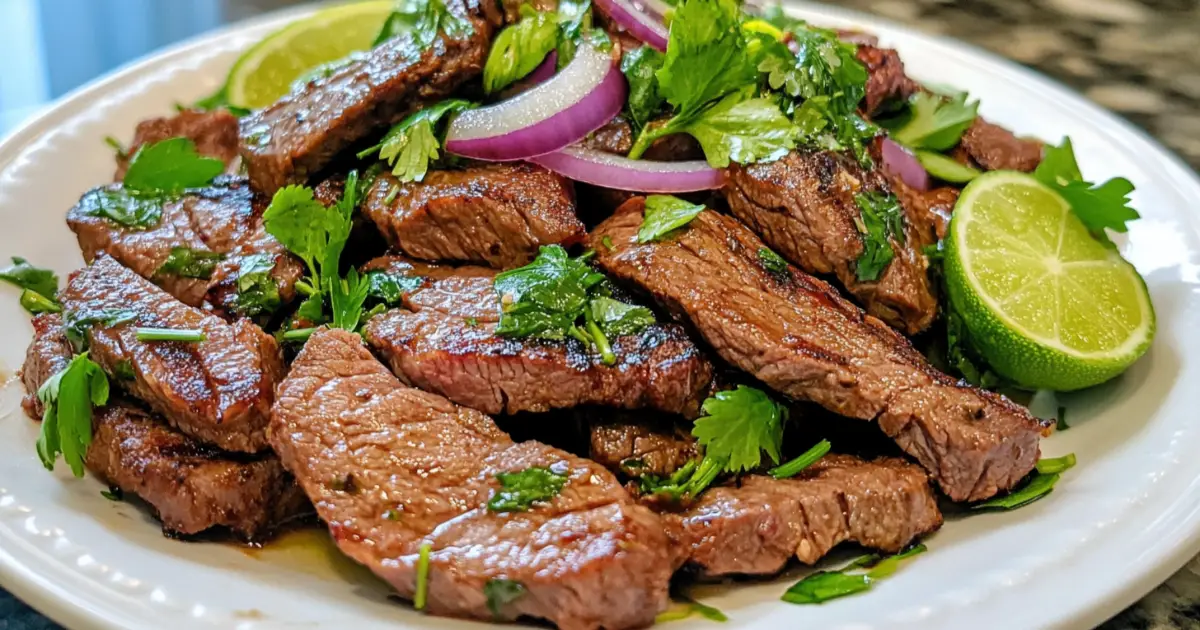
1046, 304
266, 72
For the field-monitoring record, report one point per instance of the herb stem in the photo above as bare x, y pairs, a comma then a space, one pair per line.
598, 338
705, 475
305, 289
583, 337
35, 303
808, 458
422, 592
299, 334
647, 137
170, 334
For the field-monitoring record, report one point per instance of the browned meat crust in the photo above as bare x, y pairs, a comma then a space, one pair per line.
294, 138
638, 442
218, 391
215, 134
798, 336
803, 206
390, 468
497, 214
756, 526
995, 148
887, 85
47, 355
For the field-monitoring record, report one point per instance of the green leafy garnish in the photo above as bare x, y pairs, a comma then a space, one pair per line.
422, 590
961, 356
520, 490
520, 48
123, 207
501, 592
663, 214
77, 324
302, 224
346, 298
772, 262
738, 426
617, 318
34, 303
257, 291
389, 288
113, 493
797, 465
416, 142
424, 19
26, 276
1099, 207
170, 334
933, 121
1040, 484
683, 607
882, 221
857, 577
640, 67
68, 398
575, 27
185, 262
170, 167
741, 129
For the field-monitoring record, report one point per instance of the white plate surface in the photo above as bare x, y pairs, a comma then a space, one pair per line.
1118, 524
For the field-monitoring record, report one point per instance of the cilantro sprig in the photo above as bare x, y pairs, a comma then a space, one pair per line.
1098, 206
520, 490
423, 20
665, 214
416, 142
520, 48
933, 121
39, 287
858, 576
68, 398
882, 220
185, 262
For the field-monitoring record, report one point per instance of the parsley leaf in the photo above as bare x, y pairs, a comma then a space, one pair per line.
26, 276
640, 66
856, 577
424, 19
122, 206
663, 214
705, 57
414, 142
185, 262
69, 397
934, 122
882, 220
1097, 206
520, 48
170, 167
617, 318
738, 426
742, 130
772, 262
388, 288
257, 292
520, 490
501, 592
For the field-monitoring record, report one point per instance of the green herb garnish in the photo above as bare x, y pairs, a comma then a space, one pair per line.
772, 262
69, 397
423, 19
933, 121
34, 303
26, 276
797, 465
501, 592
422, 590
882, 221
663, 214
857, 577
124, 371
389, 288
738, 426
520, 490
1040, 484
185, 262
416, 142
113, 494
1099, 207
170, 167
170, 334
684, 607
123, 207
76, 325
520, 48
640, 67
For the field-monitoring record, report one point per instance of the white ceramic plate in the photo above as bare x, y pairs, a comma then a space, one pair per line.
1118, 524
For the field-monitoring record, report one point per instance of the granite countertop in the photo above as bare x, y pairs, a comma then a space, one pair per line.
1140, 59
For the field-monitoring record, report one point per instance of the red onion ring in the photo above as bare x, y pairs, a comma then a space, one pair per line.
899, 162
544, 71
640, 23
561, 111
619, 172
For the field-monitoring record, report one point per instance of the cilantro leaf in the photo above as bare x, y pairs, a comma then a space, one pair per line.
742, 130
122, 206
772, 262
301, 224
346, 298
520, 490
617, 318
933, 121
185, 262
389, 288
415, 142
26, 276
68, 398
520, 48
705, 57
1099, 207
640, 66
882, 220
257, 291
77, 324
170, 167
574, 27
1038, 485
856, 577
663, 214
738, 426
423, 19
501, 592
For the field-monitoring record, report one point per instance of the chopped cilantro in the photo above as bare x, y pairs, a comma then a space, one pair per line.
170, 167
741, 129
575, 27
500, 593
68, 398
27, 276
415, 142
933, 121
607, 242
640, 66
684, 607
185, 262
856, 577
663, 214
1099, 207
422, 591
806, 459
738, 426
882, 221
77, 324
1038, 485
962, 358
389, 288
520, 48
423, 19
520, 490
617, 318
257, 291
772, 262
122, 206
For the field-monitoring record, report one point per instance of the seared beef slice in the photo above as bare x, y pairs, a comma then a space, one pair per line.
215, 134
442, 341
638, 442
190, 486
798, 336
218, 391
803, 206
390, 468
292, 139
757, 525
497, 214
995, 148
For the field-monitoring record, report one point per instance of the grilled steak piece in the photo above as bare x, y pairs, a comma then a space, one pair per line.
215, 134
442, 341
190, 486
887, 85
47, 355
289, 141
638, 443
495, 214
218, 391
390, 468
756, 526
804, 207
798, 336
995, 148
928, 211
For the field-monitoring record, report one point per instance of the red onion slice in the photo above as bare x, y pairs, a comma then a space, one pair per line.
899, 162
640, 23
544, 71
562, 110
619, 172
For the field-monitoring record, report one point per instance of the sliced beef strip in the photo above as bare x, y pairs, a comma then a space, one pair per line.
286, 269
215, 134
496, 214
803, 206
294, 138
887, 84
218, 391
391, 468
927, 211
442, 341
798, 336
758, 524
191, 487
638, 443
995, 148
